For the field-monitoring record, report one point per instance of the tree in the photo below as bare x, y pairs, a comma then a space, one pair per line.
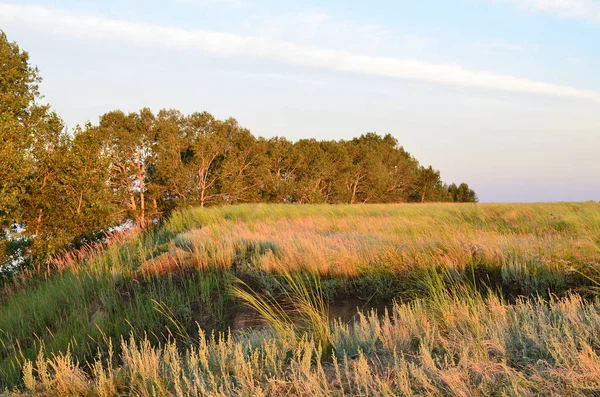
130, 142
25, 130
239, 178
466, 194
428, 186
462, 193
19, 89
318, 166
334, 166
41, 202
381, 170
209, 148
87, 194
66, 200
400, 166
275, 170
173, 154
223, 160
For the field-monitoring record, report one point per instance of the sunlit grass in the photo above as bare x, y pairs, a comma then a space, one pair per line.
160, 285
473, 347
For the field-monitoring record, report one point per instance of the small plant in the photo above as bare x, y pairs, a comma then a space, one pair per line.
308, 312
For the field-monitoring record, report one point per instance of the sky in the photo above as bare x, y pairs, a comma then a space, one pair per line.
501, 94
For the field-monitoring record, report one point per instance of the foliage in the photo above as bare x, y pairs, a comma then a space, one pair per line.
53, 190
462, 193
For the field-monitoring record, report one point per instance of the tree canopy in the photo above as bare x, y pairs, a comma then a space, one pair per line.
62, 188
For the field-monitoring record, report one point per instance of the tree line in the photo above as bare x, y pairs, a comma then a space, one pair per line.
60, 188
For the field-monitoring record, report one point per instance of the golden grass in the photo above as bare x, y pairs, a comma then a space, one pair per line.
356, 242
449, 344
463, 347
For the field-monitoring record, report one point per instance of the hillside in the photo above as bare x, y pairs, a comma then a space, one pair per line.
486, 295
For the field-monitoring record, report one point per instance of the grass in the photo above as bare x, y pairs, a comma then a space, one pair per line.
465, 347
308, 311
146, 295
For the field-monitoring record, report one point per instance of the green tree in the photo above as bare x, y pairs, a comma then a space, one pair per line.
173, 179
66, 200
19, 89
130, 142
275, 170
87, 194
32, 145
209, 147
381, 170
462, 193
318, 169
223, 162
42, 200
238, 176
428, 186
466, 194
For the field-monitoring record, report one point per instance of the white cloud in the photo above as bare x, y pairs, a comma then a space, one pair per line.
579, 9
58, 22
280, 76
321, 29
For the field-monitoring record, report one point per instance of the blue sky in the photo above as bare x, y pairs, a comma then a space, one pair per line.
502, 94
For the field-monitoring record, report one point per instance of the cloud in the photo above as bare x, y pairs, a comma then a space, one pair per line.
321, 29
87, 26
281, 76
579, 9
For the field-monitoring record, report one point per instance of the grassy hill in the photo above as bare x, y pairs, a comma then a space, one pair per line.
487, 298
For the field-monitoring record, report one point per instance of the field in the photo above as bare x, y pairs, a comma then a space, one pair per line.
453, 299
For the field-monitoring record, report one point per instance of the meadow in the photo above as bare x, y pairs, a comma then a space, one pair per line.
452, 299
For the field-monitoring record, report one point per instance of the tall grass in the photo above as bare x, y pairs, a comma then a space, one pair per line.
477, 348
307, 314
343, 241
159, 285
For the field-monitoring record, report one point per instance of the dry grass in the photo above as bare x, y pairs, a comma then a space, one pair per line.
462, 347
158, 285
516, 238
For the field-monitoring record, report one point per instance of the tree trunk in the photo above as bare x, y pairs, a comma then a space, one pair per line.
80, 203
142, 187
38, 223
355, 189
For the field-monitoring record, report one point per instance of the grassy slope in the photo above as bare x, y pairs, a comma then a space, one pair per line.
165, 282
